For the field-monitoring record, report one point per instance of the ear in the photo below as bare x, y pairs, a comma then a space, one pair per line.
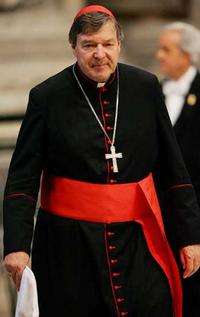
74, 51
188, 56
119, 46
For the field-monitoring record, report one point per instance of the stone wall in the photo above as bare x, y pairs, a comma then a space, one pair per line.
146, 7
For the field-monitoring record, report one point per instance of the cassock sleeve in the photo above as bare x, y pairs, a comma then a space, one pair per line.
181, 212
23, 180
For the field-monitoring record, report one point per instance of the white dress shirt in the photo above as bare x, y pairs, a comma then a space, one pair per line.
175, 92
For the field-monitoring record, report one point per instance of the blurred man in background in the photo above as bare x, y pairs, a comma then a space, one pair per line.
178, 55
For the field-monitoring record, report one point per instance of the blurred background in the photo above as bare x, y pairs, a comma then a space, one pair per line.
34, 46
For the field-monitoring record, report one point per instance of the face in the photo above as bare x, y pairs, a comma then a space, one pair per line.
97, 53
173, 61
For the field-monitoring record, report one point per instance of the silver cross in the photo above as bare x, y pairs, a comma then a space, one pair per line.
114, 156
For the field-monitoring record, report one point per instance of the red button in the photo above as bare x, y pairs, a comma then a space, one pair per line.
112, 247
120, 300
113, 262
103, 88
109, 233
113, 181
109, 128
116, 287
124, 313
105, 102
107, 115
116, 274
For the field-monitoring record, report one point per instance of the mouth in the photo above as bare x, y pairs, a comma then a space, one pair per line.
162, 62
99, 65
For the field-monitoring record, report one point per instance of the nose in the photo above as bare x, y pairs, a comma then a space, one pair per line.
99, 52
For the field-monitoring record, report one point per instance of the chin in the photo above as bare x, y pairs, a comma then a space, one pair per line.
164, 70
101, 78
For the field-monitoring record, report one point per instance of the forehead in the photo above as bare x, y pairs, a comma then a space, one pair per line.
106, 32
170, 37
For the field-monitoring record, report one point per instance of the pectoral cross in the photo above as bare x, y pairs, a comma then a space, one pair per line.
114, 156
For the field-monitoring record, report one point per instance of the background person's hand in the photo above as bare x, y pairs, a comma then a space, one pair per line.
190, 259
15, 264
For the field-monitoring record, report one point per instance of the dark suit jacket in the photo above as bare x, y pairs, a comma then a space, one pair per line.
187, 130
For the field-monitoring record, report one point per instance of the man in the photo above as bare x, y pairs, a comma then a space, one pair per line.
97, 131
178, 55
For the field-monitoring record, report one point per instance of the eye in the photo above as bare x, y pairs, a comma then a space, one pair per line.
88, 45
165, 49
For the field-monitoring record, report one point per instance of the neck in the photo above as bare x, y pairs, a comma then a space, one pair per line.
99, 85
91, 81
180, 73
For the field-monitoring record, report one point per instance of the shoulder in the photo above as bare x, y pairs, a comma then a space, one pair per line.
53, 84
140, 80
196, 82
133, 72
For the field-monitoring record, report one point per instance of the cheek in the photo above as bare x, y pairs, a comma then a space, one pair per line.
117, 52
86, 63
174, 62
81, 56
114, 56
169, 60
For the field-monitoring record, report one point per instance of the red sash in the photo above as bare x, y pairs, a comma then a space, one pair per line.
109, 203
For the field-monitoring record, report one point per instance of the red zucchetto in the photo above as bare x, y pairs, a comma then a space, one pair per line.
91, 9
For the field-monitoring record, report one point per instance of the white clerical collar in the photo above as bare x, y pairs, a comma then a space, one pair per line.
99, 85
182, 85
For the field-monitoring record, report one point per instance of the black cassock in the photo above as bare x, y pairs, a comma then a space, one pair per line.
72, 259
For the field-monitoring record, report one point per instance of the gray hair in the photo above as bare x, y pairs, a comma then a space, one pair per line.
92, 22
190, 39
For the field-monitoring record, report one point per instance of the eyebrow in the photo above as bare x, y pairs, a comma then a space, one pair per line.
92, 41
